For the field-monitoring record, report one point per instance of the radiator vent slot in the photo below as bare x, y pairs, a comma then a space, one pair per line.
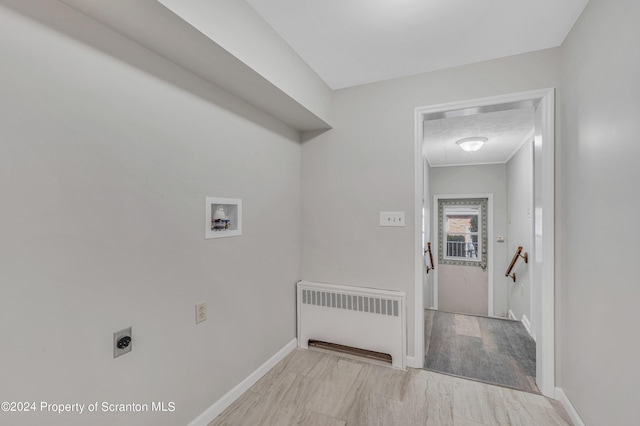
351, 302
377, 356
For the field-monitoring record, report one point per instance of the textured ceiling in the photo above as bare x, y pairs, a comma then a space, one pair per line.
505, 130
352, 42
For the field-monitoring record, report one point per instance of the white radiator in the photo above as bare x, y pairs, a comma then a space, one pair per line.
360, 317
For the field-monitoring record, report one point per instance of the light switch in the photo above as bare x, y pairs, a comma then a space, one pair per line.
392, 219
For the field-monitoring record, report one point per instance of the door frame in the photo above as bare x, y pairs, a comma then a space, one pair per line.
490, 240
543, 252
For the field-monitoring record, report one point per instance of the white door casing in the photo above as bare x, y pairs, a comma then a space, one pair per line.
543, 253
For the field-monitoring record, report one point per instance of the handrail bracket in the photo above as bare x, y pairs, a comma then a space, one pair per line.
518, 254
431, 266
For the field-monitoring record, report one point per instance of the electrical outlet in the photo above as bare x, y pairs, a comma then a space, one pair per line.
201, 312
391, 218
122, 342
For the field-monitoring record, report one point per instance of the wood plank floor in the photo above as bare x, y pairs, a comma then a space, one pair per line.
320, 389
491, 350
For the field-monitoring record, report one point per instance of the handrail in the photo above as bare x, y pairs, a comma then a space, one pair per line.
429, 268
517, 254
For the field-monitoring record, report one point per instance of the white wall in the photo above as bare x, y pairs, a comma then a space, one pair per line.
598, 204
106, 157
520, 228
366, 165
103, 173
238, 28
484, 179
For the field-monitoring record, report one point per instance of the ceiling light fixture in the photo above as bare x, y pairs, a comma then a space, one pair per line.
471, 144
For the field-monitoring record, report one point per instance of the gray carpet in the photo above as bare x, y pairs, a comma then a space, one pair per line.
489, 350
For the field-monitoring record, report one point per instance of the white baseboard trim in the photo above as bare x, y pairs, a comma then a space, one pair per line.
568, 406
220, 405
525, 321
527, 324
413, 363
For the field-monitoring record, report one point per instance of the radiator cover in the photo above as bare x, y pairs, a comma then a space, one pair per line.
360, 317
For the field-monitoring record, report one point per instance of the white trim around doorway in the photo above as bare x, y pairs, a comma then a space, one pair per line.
543, 314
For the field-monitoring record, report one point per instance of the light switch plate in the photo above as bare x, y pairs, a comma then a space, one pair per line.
392, 219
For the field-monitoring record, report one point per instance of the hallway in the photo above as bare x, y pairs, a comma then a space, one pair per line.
491, 350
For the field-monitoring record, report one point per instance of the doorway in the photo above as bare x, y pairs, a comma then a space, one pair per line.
542, 251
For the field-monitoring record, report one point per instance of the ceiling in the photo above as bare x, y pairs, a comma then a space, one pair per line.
353, 42
506, 132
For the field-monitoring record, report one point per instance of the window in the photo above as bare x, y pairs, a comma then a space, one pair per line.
461, 231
